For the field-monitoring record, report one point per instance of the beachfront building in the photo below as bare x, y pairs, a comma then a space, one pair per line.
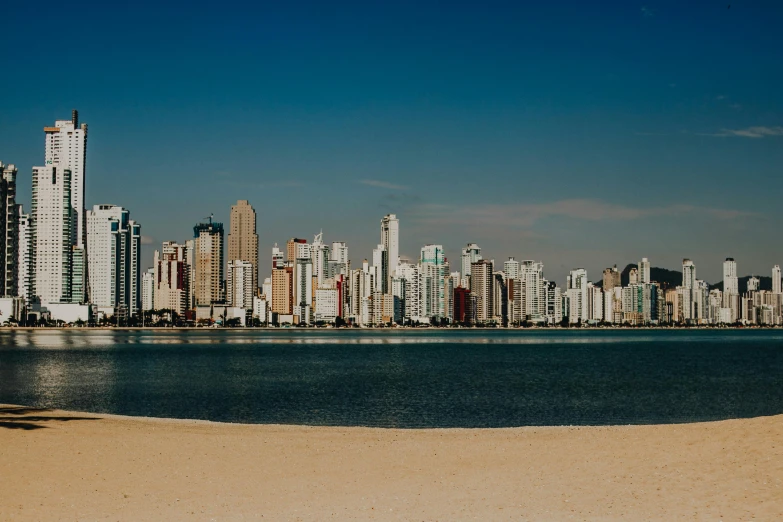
240, 287
114, 244
242, 246
9, 231
390, 239
208, 263
171, 278
52, 234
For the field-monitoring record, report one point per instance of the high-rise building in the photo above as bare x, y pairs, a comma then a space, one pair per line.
511, 268
242, 246
113, 243
148, 290
52, 234
240, 288
688, 274
319, 253
433, 268
171, 278
9, 228
283, 290
390, 239
482, 283
578, 296
380, 263
730, 282
611, 278
66, 146
470, 254
208, 263
294, 249
776, 282
23, 256
644, 271
531, 290
633, 276
339, 252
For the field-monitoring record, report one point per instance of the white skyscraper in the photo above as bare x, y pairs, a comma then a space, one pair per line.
577, 296
148, 290
339, 252
380, 262
730, 282
470, 254
390, 239
511, 268
66, 146
433, 269
688, 274
113, 241
242, 288
53, 232
776, 284
319, 253
644, 271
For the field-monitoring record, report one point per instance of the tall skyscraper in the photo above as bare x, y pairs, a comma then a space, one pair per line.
482, 288
380, 263
611, 278
283, 290
776, 284
9, 228
688, 274
23, 256
240, 288
433, 268
319, 253
470, 254
294, 249
242, 246
390, 239
208, 263
578, 296
53, 229
148, 289
66, 146
511, 268
644, 271
730, 282
114, 243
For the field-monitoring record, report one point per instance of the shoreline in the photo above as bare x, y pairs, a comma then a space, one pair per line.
71, 465
206, 422
385, 329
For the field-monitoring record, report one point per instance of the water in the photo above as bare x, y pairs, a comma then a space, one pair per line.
408, 379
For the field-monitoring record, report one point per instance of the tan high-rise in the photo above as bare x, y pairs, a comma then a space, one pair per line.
208, 263
242, 241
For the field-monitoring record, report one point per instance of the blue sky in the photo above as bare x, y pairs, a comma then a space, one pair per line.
576, 133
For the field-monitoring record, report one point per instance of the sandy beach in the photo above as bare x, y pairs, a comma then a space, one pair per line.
57, 465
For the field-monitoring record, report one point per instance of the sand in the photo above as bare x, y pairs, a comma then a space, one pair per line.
57, 465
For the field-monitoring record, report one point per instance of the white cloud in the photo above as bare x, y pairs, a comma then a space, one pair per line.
749, 132
147, 240
646, 11
525, 215
382, 184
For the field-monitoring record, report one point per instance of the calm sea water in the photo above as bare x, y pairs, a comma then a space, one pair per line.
406, 379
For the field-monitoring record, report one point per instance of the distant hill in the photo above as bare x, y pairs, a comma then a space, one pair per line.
667, 278
765, 283
672, 278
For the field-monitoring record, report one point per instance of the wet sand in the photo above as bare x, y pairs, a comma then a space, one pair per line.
57, 465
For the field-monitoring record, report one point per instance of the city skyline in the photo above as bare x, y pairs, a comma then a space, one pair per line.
575, 136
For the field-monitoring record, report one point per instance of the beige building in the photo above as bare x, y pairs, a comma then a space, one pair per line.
283, 290
242, 246
208, 263
482, 286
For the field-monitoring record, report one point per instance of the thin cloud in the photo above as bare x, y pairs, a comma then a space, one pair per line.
647, 12
749, 132
147, 240
527, 215
720, 97
382, 184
